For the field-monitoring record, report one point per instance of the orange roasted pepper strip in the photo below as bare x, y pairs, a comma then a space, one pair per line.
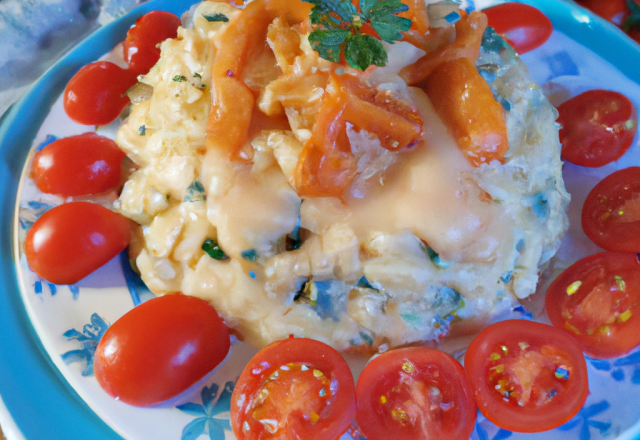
327, 165
466, 105
469, 31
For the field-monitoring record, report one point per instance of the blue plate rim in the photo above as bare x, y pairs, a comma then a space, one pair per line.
41, 402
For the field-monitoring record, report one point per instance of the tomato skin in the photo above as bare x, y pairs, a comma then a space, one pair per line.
139, 48
159, 349
598, 127
336, 417
78, 165
524, 27
72, 240
532, 417
96, 95
577, 312
432, 368
610, 214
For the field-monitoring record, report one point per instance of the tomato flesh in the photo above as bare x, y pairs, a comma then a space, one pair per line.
72, 240
598, 127
611, 212
597, 302
96, 95
524, 27
159, 349
78, 165
140, 48
296, 388
415, 394
527, 376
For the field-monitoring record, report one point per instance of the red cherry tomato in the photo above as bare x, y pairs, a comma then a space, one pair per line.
615, 11
524, 27
526, 376
78, 165
96, 95
298, 389
597, 301
415, 394
611, 212
70, 241
159, 349
598, 127
140, 48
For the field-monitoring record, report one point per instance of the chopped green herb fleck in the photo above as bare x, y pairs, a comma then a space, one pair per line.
366, 338
216, 17
250, 255
179, 78
212, 249
142, 130
433, 255
195, 193
196, 75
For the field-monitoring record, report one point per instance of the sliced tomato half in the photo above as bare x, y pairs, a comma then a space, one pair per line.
294, 389
524, 27
597, 302
415, 394
527, 376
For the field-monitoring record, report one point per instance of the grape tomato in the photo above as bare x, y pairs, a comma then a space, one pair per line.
522, 26
598, 127
70, 241
160, 348
611, 212
96, 95
295, 388
78, 165
597, 302
140, 48
415, 394
526, 376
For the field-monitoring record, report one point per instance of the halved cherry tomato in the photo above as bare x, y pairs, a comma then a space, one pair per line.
415, 394
140, 48
524, 27
598, 126
615, 11
159, 349
78, 165
597, 302
96, 95
611, 212
294, 389
72, 240
527, 376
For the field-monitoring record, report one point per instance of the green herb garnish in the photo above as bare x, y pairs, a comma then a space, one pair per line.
179, 78
216, 17
338, 29
634, 19
142, 130
213, 250
196, 75
195, 193
250, 255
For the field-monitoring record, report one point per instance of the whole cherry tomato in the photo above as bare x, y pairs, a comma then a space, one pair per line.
159, 349
526, 376
96, 95
524, 27
598, 127
597, 302
611, 212
72, 240
615, 11
415, 394
141, 49
78, 165
296, 388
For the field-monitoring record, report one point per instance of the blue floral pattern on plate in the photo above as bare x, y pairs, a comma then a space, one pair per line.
213, 416
89, 338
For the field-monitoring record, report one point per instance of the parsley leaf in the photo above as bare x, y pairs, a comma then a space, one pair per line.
338, 29
216, 17
179, 78
634, 19
214, 250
